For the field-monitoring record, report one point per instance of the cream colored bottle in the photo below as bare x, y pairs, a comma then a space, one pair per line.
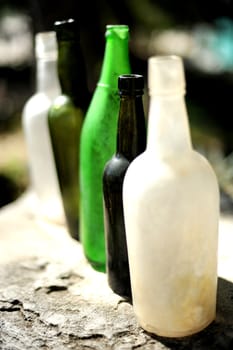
171, 207
43, 175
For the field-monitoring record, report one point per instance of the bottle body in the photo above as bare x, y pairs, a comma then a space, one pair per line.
116, 247
65, 123
171, 225
131, 141
66, 117
42, 170
98, 144
171, 207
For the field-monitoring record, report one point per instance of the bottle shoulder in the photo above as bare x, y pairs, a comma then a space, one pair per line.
116, 166
104, 102
37, 104
190, 168
206, 168
183, 191
38, 97
60, 101
100, 121
63, 107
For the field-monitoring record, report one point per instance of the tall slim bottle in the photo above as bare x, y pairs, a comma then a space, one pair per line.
43, 176
171, 207
131, 141
98, 142
66, 117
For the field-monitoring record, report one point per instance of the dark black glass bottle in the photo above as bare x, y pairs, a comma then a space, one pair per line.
66, 116
131, 141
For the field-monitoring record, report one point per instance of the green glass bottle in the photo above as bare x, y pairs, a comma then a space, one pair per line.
98, 143
66, 117
131, 141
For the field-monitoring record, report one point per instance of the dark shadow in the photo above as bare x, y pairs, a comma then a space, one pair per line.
9, 190
218, 335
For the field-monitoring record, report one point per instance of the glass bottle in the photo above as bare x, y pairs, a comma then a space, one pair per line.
171, 208
131, 141
98, 142
43, 177
66, 118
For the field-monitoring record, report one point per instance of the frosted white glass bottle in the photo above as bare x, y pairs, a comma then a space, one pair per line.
43, 176
171, 207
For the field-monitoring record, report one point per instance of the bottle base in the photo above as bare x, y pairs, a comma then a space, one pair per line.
127, 297
73, 233
174, 334
122, 292
100, 267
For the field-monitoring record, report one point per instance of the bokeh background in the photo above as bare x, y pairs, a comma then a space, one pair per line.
199, 31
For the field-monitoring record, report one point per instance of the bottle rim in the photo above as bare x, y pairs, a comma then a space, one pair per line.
131, 84
67, 29
163, 58
116, 26
120, 31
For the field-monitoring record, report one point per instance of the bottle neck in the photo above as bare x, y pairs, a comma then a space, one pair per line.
72, 73
115, 62
46, 77
168, 129
131, 133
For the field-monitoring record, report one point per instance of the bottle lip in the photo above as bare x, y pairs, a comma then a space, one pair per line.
166, 75
164, 58
115, 26
67, 29
131, 84
64, 21
46, 45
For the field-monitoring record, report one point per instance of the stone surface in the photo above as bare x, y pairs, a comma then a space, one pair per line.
50, 298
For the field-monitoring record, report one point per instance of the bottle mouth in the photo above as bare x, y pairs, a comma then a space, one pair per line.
46, 45
67, 29
166, 75
130, 84
118, 30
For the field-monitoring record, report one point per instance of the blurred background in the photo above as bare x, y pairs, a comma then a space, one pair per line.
202, 35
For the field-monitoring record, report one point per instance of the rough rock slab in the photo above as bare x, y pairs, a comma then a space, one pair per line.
50, 298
